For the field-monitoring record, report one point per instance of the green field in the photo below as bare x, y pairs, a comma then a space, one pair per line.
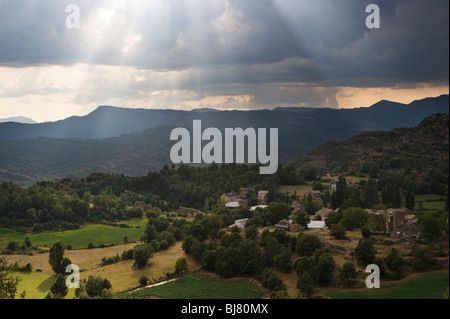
302, 190
36, 285
422, 286
201, 286
430, 202
80, 238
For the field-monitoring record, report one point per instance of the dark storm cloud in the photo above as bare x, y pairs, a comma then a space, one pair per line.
252, 41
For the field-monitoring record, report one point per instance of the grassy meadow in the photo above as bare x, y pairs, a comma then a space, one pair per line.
80, 238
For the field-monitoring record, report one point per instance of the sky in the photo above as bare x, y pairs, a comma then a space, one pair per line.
223, 54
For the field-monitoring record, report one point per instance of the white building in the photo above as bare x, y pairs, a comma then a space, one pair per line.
317, 224
253, 208
240, 223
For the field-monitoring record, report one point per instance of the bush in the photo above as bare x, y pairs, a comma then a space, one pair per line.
181, 266
322, 271
13, 246
305, 284
338, 231
307, 244
423, 259
143, 281
365, 232
354, 217
141, 254
271, 280
365, 252
95, 286
347, 274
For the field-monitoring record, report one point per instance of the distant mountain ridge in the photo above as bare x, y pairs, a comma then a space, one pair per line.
135, 141
108, 121
18, 119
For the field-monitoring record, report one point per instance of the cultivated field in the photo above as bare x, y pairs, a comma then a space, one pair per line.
204, 286
417, 286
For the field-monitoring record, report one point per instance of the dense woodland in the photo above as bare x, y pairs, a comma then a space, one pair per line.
107, 198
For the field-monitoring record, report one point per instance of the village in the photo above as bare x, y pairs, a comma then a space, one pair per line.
399, 222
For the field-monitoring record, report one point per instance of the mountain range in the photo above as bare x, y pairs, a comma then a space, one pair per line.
18, 119
135, 141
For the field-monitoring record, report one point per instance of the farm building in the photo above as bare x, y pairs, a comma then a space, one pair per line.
253, 208
401, 224
232, 205
297, 208
262, 196
323, 213
284, 224
239, 223
317, 224
316, 194
408, 230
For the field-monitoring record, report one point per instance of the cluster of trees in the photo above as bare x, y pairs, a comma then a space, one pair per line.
100, 197
230, 254
428, 176
45, 206
94, 287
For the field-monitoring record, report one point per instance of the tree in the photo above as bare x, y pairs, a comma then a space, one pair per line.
370, 193
431, 226
251, 232
56, 258
422, 258
394, 261
347, 274
27, 242
303, 264
278, 211
181, 266
13, 246
317, 186
271, 280
303, 219
322, 271
365, 252
283, 261
338, 231
96, 286
141, 254
307, 244
143, 281
410, 199
365, 232
354, 217
305, 284
59, 288
272, 248
8, 283
341, 191
333, 218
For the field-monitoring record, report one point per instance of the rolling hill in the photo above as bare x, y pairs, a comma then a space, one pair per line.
425, 146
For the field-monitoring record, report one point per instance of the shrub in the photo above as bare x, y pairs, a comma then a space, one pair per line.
143, 281
365, 232
271, 280
365, 252
307, 244
347, 274
338, 231
305, 284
